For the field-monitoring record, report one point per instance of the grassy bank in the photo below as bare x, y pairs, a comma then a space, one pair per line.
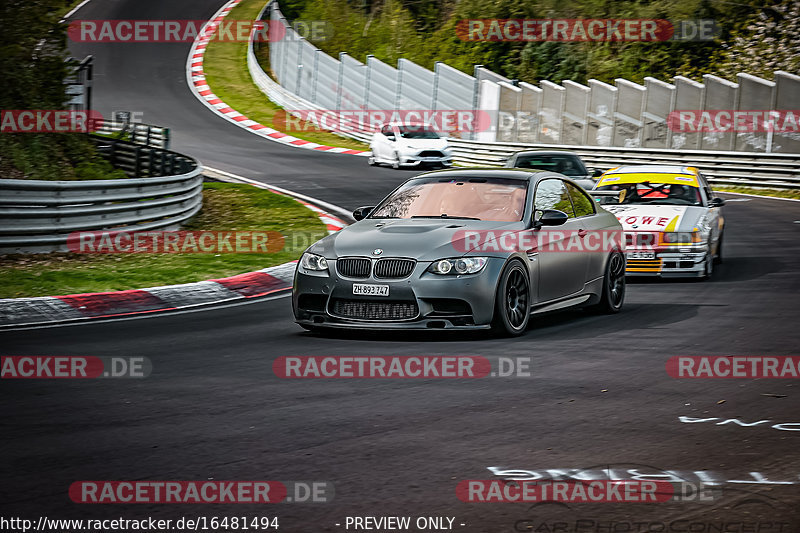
778, 193
225, 66
225, 207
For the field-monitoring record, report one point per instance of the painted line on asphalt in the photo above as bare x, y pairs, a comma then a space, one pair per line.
74, 10
310, 199
759, 196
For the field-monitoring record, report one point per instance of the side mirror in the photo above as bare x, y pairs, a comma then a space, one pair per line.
551, 217
391, 138
362, 212
716, 202
596, 172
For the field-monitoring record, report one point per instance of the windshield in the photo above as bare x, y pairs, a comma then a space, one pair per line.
501, 200
568, 165
417, 132
653, 194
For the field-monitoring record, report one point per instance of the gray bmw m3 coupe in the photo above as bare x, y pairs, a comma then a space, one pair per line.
465, 249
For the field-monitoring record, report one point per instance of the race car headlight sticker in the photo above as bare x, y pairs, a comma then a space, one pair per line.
461, 265
680, 238
314, 262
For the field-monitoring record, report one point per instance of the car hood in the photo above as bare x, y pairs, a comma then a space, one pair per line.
424, 144
657, 217
421, 239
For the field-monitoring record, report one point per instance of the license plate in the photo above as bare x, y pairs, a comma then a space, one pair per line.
641, 255
365, 289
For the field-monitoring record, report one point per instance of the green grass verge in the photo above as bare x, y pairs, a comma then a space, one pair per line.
778, 193
226, 206
225, 66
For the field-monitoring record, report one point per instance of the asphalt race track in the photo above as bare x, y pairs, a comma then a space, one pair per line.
598, 393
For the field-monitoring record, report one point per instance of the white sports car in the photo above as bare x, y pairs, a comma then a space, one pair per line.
671, 218
412, 145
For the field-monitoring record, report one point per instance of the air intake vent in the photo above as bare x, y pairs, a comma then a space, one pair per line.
394, 268
369, 310
353, 267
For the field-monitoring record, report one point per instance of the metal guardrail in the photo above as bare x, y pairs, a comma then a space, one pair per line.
136, 132
747, 169
38, 215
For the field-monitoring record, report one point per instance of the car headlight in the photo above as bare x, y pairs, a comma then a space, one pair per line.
680, 237
460, 265
313, 262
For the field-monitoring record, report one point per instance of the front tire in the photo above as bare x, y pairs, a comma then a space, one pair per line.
718, 258
613, 295
512, 301
371, 161
396, 162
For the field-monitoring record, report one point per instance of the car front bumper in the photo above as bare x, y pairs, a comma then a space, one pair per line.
425, 300
417, 158
670, 264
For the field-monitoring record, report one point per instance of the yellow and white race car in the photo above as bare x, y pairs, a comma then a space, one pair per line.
671, 218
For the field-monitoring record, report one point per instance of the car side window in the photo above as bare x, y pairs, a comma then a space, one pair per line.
701, 179
583, 205
552, 193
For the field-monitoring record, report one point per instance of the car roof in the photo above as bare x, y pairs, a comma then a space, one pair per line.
491, 172
653, 169
545, 152
669, 174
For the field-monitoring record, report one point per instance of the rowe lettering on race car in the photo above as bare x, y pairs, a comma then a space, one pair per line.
584, 491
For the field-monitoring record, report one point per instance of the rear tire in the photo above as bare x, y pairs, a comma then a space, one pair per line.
512, 301
396, 162
613, 295
718, 258
371, 161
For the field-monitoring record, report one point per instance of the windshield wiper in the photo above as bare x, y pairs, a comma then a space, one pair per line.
444, 215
